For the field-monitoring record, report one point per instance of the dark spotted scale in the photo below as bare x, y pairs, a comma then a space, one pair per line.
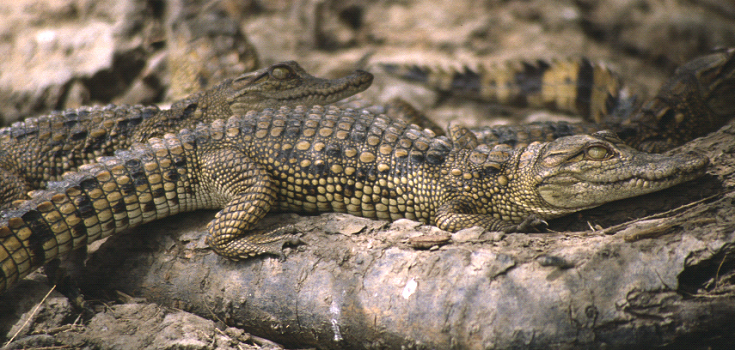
340, 160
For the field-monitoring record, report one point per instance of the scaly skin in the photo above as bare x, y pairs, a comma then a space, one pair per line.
40, 150
323, 160
576, 86
694, 102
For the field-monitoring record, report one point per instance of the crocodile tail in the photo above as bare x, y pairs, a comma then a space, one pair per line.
126, 190
574, 85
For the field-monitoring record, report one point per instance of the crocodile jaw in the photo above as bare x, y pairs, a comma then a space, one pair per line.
642, 173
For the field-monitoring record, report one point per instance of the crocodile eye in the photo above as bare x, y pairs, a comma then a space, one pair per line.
281, 73
597, 152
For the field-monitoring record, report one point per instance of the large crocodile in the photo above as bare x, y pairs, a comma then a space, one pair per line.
319, 160
41, 149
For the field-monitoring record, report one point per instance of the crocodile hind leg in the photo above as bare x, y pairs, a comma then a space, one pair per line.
398, 108
462, 138
251, 193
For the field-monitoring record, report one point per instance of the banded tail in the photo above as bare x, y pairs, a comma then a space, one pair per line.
576, 86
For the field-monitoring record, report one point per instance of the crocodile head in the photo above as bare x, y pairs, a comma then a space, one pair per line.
695, 101
584, 171
287, 84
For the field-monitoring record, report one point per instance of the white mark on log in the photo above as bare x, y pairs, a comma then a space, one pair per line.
335, 311
410, 288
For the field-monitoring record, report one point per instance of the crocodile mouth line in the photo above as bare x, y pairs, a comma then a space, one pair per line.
348, 86
649, 184
631, 181
674, 178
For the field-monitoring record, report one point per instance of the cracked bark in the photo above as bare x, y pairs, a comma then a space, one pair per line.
358, 284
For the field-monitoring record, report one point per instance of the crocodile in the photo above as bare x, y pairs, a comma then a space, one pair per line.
695, 101
39, 150
325, 159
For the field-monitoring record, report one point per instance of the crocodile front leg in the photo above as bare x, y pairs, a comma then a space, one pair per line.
457, 214
250, 193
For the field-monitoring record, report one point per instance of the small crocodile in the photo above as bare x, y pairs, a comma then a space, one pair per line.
325, 159
39, 150
695, 101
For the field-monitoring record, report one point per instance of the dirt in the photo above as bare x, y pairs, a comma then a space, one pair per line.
664, 280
